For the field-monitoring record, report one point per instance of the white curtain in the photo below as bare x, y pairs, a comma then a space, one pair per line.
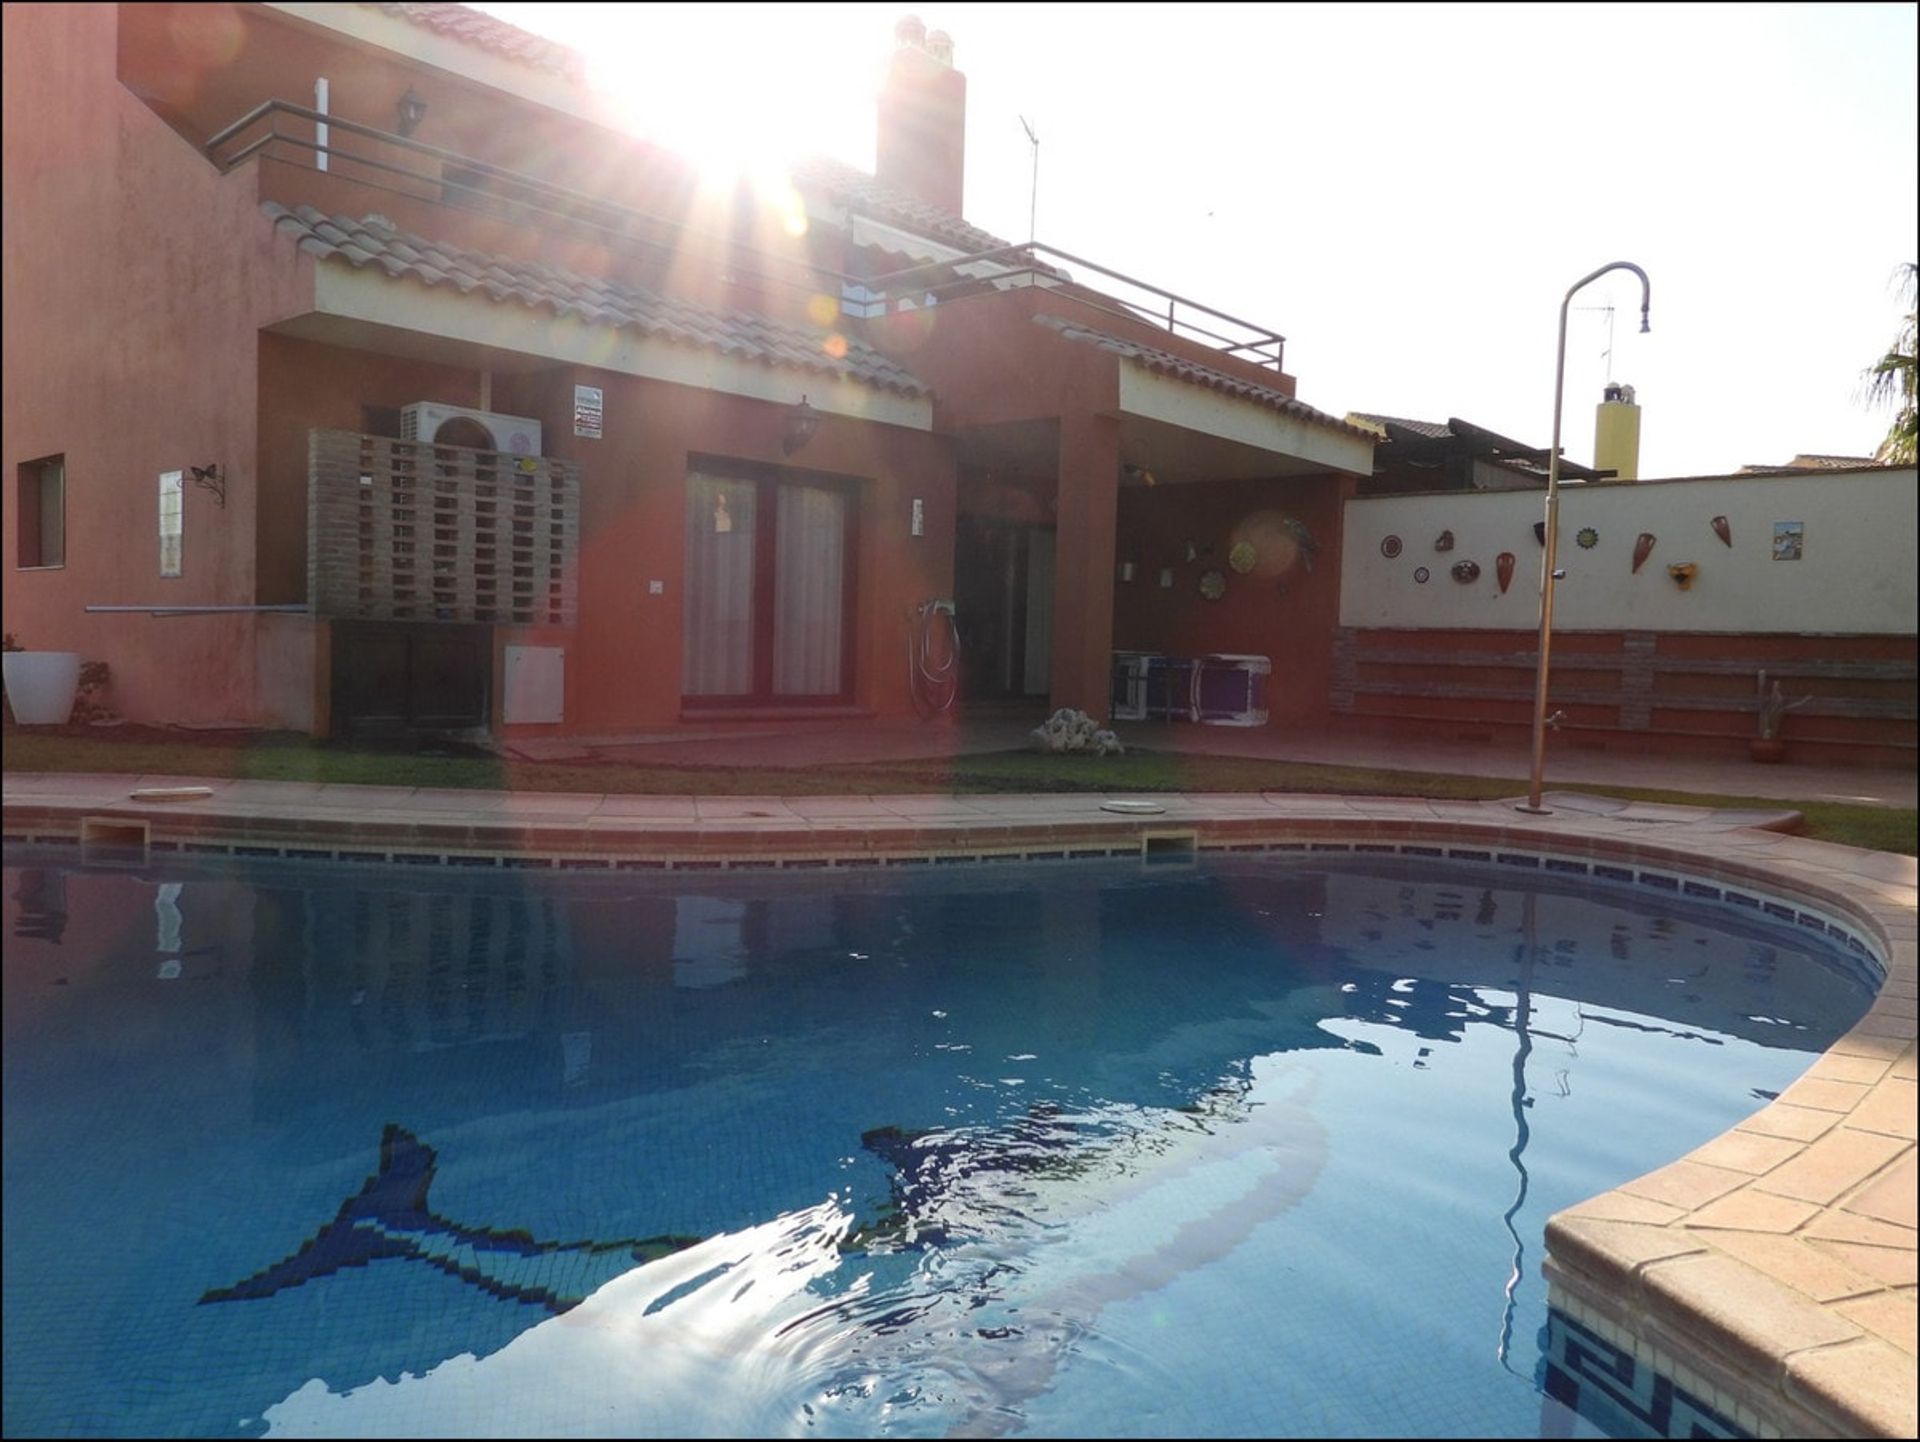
808, 579
717, 637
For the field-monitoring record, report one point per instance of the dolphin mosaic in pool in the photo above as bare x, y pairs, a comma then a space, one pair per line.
389, 1218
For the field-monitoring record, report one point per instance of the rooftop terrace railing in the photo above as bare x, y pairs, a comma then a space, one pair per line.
270, 132
1022, 265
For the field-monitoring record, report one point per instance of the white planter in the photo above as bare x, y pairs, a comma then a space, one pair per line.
41, 685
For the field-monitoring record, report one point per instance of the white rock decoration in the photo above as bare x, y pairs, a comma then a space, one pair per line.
1075, 732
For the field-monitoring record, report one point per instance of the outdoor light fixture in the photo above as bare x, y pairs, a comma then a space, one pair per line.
801, 425
1551, 537
208, 478
413, 110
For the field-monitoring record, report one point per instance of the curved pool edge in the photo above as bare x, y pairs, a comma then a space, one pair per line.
1767, 1275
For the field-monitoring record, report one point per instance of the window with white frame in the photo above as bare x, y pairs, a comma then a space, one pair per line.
172, 515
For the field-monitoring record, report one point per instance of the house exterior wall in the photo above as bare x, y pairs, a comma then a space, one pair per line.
1282, 609
623, 665
137, 281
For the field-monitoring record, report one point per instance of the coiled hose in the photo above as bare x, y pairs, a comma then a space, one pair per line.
932, 684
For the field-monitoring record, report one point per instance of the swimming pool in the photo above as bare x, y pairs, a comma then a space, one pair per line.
1258, 1145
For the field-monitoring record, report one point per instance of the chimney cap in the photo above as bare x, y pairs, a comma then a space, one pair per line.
940, 47
910, 32
1616, 391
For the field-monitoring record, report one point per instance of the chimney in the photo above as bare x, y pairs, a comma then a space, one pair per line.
1616, 433
923, 118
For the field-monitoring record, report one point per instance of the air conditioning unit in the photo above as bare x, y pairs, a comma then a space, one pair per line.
427, 420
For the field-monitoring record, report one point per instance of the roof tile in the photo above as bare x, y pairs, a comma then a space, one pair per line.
870, 195
483, 31
404, 256
1180, 368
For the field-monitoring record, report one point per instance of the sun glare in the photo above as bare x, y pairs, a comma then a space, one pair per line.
736, 105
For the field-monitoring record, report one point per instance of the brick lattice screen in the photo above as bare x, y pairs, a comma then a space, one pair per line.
408, 531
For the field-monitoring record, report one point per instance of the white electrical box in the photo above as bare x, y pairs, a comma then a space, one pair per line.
536, 685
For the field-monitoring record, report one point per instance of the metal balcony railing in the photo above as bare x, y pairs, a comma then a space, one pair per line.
399, 164
1020, 266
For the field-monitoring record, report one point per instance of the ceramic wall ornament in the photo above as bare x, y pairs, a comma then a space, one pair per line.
1443, 541
1303, 538
1503, 570
1723, 530
1213, 585
1588, 538
1390, 547
1420, 574
1278, 544
1540, 532
1642, 548
1466, 572
1683, 573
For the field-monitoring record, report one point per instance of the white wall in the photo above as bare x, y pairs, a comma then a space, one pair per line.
1856, 574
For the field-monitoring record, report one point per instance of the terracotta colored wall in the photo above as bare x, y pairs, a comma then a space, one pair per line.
1282, 610
203, 66
623, 661
137, 279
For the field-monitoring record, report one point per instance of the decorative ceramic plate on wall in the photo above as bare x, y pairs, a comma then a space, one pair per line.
1213, 585
1420, 574
1242, 557
1588, 538
1390, 547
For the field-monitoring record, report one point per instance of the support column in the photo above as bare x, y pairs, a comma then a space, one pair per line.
1089, 493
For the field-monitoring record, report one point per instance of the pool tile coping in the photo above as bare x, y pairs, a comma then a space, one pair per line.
1771, 1271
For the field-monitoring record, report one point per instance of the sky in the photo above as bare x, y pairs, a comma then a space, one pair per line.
1405, 192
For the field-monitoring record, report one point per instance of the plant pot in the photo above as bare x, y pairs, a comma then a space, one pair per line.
1767, 748
41, 685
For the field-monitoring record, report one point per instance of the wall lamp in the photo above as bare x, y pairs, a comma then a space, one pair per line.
801, 424
413, 110
208, 478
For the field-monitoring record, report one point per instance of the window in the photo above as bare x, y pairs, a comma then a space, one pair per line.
769, 591
172, 501
43, 513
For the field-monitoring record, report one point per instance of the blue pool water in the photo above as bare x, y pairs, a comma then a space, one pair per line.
1261, 1145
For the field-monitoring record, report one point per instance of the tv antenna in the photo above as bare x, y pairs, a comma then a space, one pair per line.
1607, 310
1033, 201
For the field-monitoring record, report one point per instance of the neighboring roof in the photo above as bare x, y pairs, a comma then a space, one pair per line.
1817, 463
1433, 442
373, 240
873, 197
1436, 430
475, 27
1180, 368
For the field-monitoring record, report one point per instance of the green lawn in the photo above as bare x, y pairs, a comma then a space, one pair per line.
288, 757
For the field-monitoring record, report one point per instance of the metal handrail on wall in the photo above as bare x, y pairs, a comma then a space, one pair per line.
549, 203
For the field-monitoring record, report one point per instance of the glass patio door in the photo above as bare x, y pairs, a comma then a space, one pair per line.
768, 607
